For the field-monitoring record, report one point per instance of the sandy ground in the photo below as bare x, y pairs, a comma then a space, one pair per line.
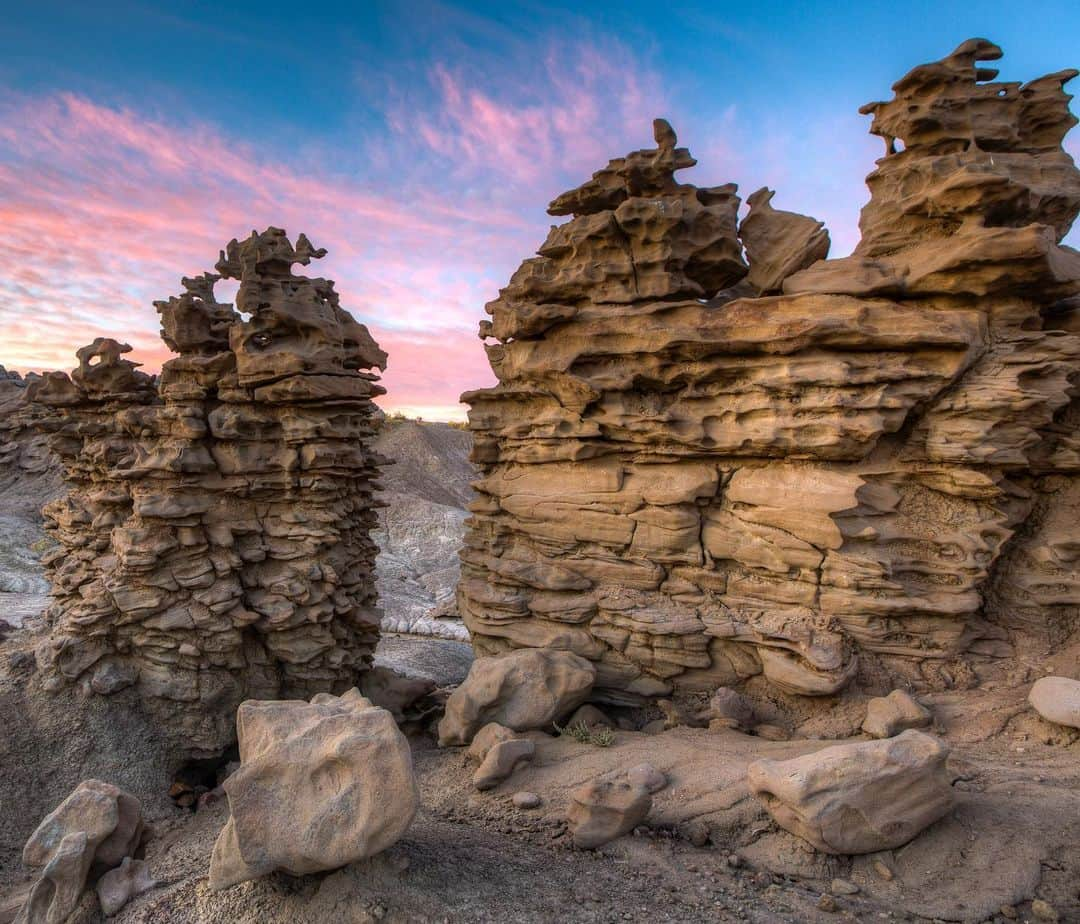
1014, 834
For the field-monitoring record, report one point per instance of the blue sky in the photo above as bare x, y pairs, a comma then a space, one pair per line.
418, 142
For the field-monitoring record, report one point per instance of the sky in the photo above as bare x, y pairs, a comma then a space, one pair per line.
419, 142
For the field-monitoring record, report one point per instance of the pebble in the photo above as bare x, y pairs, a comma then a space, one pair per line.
1008, 911
883, 871
525, 800
1043, 910
826, 903
843, 887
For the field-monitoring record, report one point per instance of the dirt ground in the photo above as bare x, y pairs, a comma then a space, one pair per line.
1013, 836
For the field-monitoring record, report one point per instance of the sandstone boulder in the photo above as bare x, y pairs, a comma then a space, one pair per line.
320, 785
97, 826
889, 715
524, 689
858, 798
1057, 699
603, 810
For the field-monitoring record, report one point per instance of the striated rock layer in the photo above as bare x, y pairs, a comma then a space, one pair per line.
696, 472
214, 542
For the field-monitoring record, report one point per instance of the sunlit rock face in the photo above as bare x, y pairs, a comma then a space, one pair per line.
807, 471
214, 541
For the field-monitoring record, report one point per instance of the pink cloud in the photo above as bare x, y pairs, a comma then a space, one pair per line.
104, 208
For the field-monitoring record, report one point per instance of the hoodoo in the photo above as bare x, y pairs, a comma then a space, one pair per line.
214, 541
829, 470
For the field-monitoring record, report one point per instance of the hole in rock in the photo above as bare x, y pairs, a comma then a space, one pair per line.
201, 777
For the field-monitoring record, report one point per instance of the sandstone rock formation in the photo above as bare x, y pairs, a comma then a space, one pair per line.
858, 798
214, 542
692, 482
522, 690
97, 827
320, 785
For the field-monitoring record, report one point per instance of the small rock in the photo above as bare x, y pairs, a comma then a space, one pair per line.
1057, 699
827, 903
887, 716
883, 871
1043, 910
655, 727
601, 811
501, 761
118, 886
734, 860
730, 709
648, 776
485, 739
1008, 911
843, 887
771, 732
698, 834
525, 800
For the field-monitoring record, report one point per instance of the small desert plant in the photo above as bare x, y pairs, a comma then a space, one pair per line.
600, 737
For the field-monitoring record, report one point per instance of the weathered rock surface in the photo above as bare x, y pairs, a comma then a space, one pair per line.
603, 810
858, 798
887, 716
524, 689
1057, 699
692, 482
320, 785
214, 543
98, 825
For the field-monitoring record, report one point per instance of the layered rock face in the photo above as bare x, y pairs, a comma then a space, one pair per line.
214, 542
824, 469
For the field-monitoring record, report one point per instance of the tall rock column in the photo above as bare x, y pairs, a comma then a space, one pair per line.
214, 544
826, 471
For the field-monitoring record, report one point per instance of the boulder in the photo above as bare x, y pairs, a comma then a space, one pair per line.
887, 716
98, 825
523, 689
320, 785
501, 760
603, 810
858, 798
1057, 699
